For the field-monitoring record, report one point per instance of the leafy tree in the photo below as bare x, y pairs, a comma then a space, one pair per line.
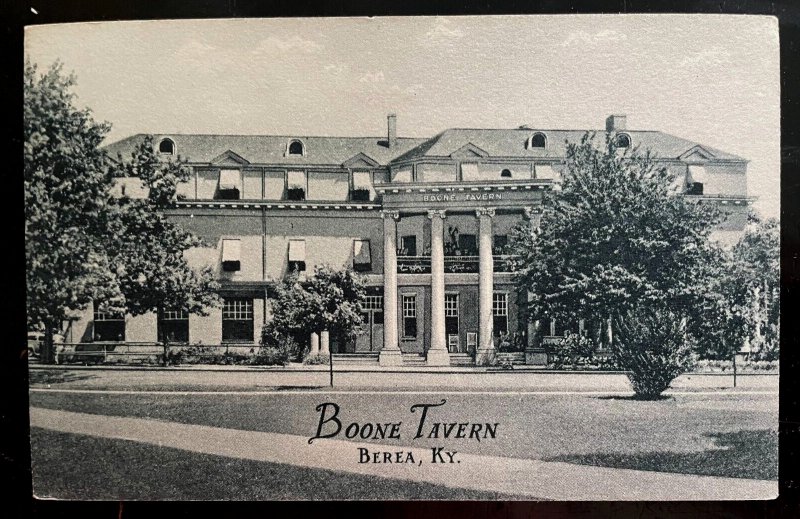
67, 184
84, 244
327, 301
147, 250
615, 237
742, 305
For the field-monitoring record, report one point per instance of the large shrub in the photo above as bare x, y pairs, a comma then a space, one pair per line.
573, 349
277, 355
652, 344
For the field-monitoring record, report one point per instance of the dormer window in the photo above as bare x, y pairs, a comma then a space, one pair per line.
506, 173
296, 148
538, 140
166, 147
623, 140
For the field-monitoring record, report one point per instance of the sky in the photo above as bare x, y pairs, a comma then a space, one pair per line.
713, 79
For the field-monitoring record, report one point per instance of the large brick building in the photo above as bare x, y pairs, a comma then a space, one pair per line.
425, 220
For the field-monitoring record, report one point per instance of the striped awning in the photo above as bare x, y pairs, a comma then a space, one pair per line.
230, 179
697, 174
361, 252
231, 254
297, 250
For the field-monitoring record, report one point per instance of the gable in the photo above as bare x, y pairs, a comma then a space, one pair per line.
696, 154
229, 158
361, 160
469, 151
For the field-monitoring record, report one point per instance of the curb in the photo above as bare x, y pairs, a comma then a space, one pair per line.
355, 369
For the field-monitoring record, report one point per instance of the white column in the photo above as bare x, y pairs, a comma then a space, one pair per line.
314, 344
437, 353
390, 354
324, 342
485, 351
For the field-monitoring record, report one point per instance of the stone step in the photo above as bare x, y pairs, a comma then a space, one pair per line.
461, 359
362, 358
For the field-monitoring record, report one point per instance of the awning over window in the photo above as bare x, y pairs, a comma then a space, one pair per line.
230, 179
296, 179
231, 254
297, 250
546, 171
362, 180
697, 174
361, 252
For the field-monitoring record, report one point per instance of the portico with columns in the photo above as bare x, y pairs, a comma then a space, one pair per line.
452, 274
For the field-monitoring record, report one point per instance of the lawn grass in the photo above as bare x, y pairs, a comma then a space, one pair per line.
741, 454
726, 435
68, 466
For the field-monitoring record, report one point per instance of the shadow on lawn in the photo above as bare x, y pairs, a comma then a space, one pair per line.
56, 377
741, 454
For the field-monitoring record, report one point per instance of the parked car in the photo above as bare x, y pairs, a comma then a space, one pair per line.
36, 339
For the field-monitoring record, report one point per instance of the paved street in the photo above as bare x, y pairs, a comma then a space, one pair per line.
721, 443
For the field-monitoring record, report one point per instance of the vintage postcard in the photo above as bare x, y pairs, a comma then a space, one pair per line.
422, 258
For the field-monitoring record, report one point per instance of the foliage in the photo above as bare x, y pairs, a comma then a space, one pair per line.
573, 349
319, 358
148, 250
614, 237
652, 343
742, 306
273, 355
328, 300
84, 244
67, 185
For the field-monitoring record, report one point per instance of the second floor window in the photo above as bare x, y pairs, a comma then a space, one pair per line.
231, 255
297, 256
362, 257
408, 245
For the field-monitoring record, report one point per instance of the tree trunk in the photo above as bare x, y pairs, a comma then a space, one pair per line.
46, 349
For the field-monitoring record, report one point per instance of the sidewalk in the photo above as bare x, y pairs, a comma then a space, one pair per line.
531, 479
219, 378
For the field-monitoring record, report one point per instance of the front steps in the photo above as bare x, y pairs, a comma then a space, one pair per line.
414, 360
461, 359
356, 359
417, 360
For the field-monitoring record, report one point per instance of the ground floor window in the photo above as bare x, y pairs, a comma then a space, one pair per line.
108, 326
173, 326
237, 319
500, 313
410, 316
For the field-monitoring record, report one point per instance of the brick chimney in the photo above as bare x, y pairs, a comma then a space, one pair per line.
392, 124
616, 123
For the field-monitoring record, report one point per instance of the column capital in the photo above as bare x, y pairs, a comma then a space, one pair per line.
485, 211
394, 215
441, 213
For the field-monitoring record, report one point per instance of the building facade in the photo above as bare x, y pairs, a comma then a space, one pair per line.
424, 220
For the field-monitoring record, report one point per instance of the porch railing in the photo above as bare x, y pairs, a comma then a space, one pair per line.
452, 264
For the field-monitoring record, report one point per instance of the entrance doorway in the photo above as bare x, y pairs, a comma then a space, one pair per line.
451, 323
371, 336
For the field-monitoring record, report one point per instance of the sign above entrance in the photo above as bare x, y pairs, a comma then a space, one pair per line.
426, 196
